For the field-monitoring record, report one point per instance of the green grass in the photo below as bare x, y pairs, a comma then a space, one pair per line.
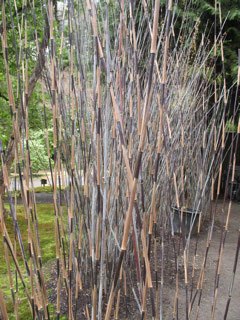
46, 229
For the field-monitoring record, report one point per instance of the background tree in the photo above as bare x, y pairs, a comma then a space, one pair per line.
38, 35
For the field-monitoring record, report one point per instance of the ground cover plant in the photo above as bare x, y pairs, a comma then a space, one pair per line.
47, 242
134, 111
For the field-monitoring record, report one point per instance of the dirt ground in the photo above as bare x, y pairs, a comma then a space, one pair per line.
128, 306
210, 271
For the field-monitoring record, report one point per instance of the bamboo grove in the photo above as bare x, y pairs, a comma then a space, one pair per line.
139, 128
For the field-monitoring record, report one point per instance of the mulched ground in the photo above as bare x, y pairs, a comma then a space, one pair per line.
128, 306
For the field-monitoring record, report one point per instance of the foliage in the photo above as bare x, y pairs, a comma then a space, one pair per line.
16, 47
229, 126
231, 16
5, 121
38, 149
46, 189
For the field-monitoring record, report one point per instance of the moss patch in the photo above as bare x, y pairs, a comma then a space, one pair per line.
46, 229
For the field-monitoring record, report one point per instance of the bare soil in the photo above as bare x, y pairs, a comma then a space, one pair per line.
205, 310
128, 305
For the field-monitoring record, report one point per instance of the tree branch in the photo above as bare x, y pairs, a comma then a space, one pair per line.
3, 97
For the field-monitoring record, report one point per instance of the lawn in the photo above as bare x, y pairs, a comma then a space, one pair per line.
46, 228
